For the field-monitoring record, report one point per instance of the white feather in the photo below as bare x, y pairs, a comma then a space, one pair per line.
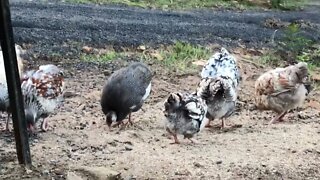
192, 107
148, 90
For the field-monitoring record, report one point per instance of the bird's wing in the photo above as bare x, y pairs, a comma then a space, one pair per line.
196, 108
278, 80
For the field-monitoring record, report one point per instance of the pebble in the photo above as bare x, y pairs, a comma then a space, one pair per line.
128, 148
219, 162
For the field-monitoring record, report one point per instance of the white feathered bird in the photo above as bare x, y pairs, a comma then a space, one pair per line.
4, 96
185, 114
219, 85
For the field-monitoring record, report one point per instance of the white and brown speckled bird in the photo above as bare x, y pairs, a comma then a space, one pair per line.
185, 114
125, 92
43, 94
282, 89
4, 96
219, 85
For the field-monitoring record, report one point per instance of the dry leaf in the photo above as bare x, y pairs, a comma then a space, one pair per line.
199, 63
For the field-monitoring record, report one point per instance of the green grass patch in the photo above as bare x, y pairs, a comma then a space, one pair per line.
101, 58
271, 59
287, 4
311, 56
293, 48
179, 56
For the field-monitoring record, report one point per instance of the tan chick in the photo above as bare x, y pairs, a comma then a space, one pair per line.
282, 89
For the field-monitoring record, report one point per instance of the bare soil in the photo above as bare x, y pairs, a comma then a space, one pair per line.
249, 149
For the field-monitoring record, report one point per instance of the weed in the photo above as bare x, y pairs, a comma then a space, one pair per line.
271, 58
286, 4
292, 48
181, 55
101, 58
311, 56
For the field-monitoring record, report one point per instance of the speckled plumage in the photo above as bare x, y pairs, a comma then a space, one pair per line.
282, 89
125, 91
185, 114
43, 93
219, 85
222, 64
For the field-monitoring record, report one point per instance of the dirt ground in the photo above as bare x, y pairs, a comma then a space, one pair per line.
250, 149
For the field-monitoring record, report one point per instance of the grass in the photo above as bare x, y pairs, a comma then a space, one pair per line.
287, 4
101, 58
178, 57
189, 4
294, 47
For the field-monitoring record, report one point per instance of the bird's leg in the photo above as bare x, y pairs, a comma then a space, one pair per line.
282, 115
44, 125
208, 125
223, 124
176, 141
7, 123
278, 118
129, 121
117, 124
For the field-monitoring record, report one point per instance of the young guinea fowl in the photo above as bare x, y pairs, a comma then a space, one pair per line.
43, 94
125, 92
282, 89
219, 85
4, 96
185, 114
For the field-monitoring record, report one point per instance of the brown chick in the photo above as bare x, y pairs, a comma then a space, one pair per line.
282, 89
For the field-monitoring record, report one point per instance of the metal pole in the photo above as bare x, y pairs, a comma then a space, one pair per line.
14, 84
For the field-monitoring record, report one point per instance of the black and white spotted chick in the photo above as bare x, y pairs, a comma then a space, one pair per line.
125, 92
185, 114
219, 85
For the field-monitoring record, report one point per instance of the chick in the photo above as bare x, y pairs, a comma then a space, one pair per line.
282, 89
219, 85
185, 114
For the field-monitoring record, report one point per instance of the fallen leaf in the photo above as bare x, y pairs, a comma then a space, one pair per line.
200, 63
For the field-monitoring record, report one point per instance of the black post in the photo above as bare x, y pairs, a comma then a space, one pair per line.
14, 84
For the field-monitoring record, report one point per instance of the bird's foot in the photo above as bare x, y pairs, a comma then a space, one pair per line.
208, 125
223, 125
176, 141
273, 121
279, 118
118, 124
193, 141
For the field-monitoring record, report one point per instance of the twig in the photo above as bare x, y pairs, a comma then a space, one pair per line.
258, 65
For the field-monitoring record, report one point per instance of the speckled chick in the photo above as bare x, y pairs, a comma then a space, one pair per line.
219, 85
185, 114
